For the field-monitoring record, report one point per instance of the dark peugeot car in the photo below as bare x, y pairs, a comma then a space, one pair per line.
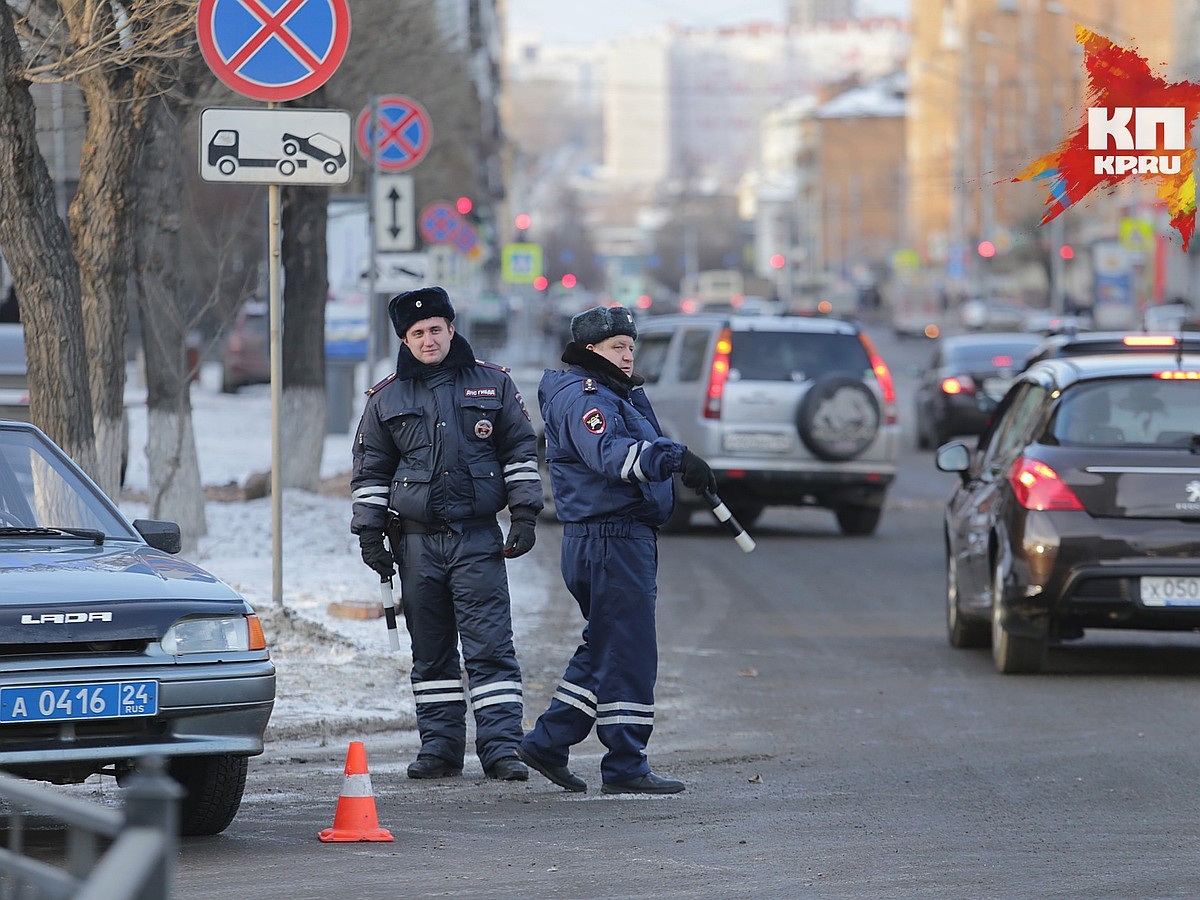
965, 379
1079, 509
113, 648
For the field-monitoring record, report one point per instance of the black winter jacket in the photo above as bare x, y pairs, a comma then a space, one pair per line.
442, 444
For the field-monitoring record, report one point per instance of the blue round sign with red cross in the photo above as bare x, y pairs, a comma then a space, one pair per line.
273, 49
400, 134
439, 223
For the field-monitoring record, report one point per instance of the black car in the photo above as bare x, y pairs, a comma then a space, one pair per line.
1079, 509
965, 379
1089, 343
112, 648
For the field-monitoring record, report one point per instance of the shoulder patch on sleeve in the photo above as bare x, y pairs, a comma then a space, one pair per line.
382, 384
521, 403
492, 365
593, 420
589, 385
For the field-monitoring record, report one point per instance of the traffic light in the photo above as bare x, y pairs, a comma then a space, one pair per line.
777, 261
464, 205
522, 221
569, 280
541, 283
1066, 251
986, 249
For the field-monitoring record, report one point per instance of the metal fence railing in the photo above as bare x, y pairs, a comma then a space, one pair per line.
111, 854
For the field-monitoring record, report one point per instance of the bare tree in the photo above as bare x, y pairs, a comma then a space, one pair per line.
119, 56
36, 247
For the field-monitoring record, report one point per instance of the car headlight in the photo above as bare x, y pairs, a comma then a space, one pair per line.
214, 635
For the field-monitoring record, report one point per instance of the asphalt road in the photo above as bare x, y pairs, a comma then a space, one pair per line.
833, 745
832, 742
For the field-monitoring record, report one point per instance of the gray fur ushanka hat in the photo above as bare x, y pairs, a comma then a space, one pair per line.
600, 323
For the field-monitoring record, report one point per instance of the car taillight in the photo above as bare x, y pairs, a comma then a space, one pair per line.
884, 375
963, 384
1178, 375
1148, 340
1037, 486
718, 375
1002, 362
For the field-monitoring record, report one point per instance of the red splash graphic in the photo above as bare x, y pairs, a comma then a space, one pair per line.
1121, 86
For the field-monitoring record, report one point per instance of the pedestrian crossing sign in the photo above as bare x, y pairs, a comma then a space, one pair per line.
521, 263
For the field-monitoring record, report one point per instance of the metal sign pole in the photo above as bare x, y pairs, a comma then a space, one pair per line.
274, 258
374, 337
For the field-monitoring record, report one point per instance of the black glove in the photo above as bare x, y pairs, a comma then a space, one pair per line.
520, 534
696, 473
376, 554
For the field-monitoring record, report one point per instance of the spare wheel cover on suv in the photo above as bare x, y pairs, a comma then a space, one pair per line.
838, 418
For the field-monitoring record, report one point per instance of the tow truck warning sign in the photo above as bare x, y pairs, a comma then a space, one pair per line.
275, 146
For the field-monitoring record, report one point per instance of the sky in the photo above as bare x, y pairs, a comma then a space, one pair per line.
334, 675
586, 21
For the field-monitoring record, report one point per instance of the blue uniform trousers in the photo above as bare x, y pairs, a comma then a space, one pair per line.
610, 567
455, 587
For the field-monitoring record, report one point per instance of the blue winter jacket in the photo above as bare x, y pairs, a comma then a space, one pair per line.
604, 446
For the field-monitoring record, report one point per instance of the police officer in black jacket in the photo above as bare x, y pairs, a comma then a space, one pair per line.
444, 444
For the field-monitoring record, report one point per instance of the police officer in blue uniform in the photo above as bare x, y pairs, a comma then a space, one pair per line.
444, 444
611, 472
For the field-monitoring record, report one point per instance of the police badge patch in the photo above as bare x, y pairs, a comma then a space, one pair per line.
593, 421
483, 429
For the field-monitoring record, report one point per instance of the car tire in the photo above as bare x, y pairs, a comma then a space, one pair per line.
1012, 654
213, 787
923, 442
961, 632
838, 419
858, 521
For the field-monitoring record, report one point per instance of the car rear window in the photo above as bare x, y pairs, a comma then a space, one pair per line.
1127, 411
795, 356
991, 356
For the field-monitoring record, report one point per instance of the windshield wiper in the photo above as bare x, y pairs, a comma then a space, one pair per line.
90, 534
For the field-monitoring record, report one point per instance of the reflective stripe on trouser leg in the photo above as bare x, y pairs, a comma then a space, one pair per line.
479, 583
436, 672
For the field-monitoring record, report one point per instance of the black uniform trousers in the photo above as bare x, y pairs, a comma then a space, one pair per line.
455, 587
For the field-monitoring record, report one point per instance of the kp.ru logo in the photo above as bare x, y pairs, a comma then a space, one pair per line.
1137, 126
1105, 124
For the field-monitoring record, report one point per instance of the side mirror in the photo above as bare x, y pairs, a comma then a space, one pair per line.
160, 535
953, 457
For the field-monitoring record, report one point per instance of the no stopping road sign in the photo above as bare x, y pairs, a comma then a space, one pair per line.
273, 49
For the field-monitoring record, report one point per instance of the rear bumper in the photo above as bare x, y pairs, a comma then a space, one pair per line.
865, 487
1057, 560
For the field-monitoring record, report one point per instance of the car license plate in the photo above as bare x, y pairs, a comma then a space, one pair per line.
1171, 590
64, 702
756, 442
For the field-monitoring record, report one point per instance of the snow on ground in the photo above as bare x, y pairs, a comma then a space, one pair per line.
335, 675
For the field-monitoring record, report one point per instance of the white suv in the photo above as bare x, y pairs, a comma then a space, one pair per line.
788, 411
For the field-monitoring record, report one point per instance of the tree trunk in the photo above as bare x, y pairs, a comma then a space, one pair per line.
175, 489
99, 219
305, 260
35, 245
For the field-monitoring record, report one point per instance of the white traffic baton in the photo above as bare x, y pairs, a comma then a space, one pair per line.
724, 516
389, 611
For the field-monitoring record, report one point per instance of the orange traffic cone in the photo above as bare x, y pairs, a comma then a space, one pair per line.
355, 819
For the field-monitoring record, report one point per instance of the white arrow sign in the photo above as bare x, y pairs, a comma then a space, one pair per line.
275, 146
395, 217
